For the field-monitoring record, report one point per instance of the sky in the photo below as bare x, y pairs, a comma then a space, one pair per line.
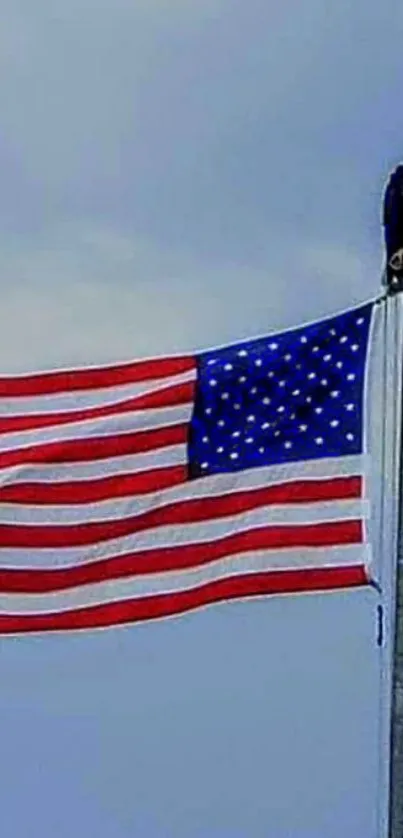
177, 174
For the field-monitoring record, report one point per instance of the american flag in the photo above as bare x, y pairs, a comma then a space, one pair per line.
143, 490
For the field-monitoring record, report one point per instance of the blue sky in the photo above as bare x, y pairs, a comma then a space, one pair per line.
176, 174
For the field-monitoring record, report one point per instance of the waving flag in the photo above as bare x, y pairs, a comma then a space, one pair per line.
144, 490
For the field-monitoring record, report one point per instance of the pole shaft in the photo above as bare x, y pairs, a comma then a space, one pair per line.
396, 807
392, 537
387, 548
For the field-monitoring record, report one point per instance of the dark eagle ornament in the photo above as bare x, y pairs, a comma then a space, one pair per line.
393, 230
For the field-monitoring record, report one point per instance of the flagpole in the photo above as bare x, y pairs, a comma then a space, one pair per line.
390, 768
393, 658
391, 537
396, 786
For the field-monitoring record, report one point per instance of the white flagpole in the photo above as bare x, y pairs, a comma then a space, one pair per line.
389, 779
391, 545
396, 797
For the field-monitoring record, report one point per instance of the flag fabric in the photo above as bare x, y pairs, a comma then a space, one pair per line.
144, 490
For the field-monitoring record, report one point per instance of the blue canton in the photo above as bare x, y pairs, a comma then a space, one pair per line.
296, 395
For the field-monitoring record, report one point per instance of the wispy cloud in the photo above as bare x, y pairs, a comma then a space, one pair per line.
82, 293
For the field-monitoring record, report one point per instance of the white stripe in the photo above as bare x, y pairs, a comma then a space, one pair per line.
118, 508
121, 423
175, 535
279, 513
174, 581
172, 455
58, 402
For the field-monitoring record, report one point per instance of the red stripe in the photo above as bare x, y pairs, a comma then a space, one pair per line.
167, 559
90, 491
165, 605
166, 397
177, 513
95, 448
74, 492
70, 381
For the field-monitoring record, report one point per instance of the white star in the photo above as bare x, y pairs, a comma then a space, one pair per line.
266, 400
211, 361
327, 357
335, 393
204, 465
213, 382
220, 449
228, 367
287, 357
205, 439
288, 444
324, 382
296, 392
225, 396
221, 423
242, 379
261, 450
273, 345
209, 410
253, 391
236, 434
334, 423
339, 365
304, 339
242, 353
355, 347
319, 440
251, 418
265, 426
281, 409
315, 349
350, 437
312, 375
234, 455
282, 383
343, 339
349, 406
258, 362
360, 321
351, 376
303, 428
318, 409
249, 439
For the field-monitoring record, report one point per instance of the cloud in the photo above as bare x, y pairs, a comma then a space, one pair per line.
84, 294
212, 123
174, 174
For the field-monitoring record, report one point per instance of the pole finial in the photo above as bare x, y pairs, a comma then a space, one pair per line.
393, 230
